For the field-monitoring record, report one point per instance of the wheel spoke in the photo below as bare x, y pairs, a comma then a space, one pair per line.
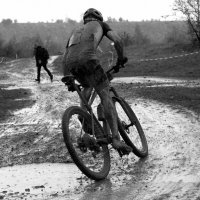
132, 132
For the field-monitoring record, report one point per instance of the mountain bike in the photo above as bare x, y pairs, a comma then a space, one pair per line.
87, 134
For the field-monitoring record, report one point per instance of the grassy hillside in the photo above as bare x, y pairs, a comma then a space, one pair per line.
172, 66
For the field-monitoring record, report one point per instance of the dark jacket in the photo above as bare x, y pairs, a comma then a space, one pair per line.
41, 55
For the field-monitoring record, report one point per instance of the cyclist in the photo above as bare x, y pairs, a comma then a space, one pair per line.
80, 59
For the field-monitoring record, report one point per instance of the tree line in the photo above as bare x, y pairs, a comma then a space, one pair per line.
17, 40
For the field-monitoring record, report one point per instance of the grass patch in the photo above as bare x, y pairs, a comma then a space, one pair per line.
186, 66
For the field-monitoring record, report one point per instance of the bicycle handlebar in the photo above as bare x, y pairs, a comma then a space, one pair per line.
115, 69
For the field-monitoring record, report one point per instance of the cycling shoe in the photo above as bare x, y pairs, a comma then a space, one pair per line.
121, 147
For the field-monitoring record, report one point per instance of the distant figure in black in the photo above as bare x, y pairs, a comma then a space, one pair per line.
41, 57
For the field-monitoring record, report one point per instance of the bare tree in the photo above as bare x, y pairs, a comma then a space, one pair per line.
191, 10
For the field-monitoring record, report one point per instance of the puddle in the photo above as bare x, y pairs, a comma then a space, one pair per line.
39, 178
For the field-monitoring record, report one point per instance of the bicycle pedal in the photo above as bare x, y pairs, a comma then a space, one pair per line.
123, 153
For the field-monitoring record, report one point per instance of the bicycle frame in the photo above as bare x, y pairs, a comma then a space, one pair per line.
104, 131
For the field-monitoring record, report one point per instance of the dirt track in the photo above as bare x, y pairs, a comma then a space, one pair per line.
30, 133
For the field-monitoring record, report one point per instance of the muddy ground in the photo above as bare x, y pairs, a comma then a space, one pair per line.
35, 163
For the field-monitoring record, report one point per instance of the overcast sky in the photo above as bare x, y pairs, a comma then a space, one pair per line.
48, 10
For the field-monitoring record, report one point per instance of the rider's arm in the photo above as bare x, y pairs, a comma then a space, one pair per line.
64, 65
66, 71
114, 37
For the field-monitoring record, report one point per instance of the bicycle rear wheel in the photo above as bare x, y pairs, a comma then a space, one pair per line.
92, 159
130, 128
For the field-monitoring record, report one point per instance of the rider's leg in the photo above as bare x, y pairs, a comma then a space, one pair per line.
86, 92
111, 117
110, 114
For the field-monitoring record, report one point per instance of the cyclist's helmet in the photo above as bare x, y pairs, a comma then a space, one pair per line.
94, 13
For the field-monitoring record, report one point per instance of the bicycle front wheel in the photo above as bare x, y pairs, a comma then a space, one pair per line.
92, 159
130, 128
